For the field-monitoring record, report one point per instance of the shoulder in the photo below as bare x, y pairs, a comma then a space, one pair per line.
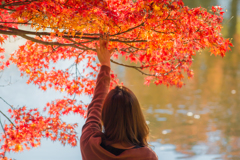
150, 153
142, 153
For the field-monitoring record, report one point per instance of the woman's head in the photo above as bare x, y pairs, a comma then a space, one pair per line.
123, 119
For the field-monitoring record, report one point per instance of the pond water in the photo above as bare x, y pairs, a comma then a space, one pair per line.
200, 121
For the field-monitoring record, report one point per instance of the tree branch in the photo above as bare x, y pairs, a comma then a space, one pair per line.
130, 29
7, 9
39, 41
163, 32
17, 3
44, 42
22, 33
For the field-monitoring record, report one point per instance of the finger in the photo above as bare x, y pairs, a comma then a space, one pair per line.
105, 36
111, 51
97, 48
107, 40
101, 42
100, 39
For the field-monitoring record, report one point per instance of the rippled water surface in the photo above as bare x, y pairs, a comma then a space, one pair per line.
200, 121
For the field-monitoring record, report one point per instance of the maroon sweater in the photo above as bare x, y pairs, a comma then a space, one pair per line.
91, 132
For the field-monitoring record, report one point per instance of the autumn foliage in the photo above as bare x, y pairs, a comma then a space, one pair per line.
160, 36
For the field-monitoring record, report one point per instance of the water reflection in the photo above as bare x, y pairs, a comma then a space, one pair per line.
200, 120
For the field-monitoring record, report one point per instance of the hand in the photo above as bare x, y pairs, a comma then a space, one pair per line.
103, 53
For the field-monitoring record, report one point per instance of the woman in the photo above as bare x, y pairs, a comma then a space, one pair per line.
125, 129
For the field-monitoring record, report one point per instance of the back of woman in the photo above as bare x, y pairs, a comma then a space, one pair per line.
119, 115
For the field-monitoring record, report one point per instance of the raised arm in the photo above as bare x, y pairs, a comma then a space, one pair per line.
93, 122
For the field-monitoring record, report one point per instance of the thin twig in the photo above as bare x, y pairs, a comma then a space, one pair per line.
7, 118
77, 43
4, 134
134, 67
6, 84
2, 126
129, 66
172, 69
7, 103
147, 74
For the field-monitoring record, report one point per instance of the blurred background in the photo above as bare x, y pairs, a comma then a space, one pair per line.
197, 122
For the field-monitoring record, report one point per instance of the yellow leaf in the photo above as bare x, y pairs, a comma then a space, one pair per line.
156, 8
27, 71
18, 147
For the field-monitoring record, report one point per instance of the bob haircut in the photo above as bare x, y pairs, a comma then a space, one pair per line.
122, 118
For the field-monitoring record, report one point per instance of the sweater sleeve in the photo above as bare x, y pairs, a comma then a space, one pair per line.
93, 122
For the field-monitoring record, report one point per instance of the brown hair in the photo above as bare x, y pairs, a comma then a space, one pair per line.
122, 118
